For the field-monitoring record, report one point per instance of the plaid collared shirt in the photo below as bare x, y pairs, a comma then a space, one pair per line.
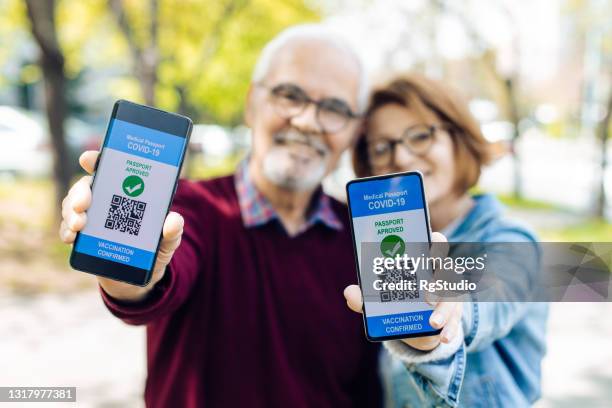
256, 209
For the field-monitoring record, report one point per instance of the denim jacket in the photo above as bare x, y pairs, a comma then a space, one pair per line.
495, 360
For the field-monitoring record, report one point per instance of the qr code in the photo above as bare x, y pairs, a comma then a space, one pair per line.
125, 215
396, 276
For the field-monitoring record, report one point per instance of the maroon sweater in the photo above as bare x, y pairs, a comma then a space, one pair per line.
250, 317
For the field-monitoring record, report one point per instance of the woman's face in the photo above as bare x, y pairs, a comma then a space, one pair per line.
437, 163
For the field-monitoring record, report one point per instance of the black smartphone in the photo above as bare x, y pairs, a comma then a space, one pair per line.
134, 182
390, 228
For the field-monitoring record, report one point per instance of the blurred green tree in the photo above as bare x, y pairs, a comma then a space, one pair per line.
594, 32
197, 58
189, 56
144, 49
43, 25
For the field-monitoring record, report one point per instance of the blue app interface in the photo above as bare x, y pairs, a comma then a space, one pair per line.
131, 193
389, 221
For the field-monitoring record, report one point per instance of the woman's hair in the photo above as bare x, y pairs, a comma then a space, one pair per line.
435, 103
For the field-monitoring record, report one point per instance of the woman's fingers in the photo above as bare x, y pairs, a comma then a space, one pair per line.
446, 315
452, 326
352, 293
439, 247
442, 314
423, 343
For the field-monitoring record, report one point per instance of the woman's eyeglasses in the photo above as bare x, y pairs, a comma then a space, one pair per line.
290, 100
418, 139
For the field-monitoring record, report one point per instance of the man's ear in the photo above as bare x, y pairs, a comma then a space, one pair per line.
250, 106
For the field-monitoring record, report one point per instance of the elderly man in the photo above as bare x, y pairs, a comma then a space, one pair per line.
245, 307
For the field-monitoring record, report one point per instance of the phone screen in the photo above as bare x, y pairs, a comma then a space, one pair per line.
132, 189
389, 220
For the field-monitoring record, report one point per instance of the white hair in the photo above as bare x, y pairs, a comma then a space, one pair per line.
313, 31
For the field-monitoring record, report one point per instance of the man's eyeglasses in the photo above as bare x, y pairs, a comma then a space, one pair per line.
290, 100
417, 139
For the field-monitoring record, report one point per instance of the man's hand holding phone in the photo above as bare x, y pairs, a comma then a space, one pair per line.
446, 315
74, 218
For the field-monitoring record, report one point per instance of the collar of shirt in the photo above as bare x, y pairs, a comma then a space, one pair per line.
256, 210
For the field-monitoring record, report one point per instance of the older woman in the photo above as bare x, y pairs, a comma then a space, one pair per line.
488, 353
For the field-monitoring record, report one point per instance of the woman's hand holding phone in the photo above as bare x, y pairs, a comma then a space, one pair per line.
446, 315
74, 218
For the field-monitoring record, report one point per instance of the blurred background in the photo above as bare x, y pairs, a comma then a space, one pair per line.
537, 73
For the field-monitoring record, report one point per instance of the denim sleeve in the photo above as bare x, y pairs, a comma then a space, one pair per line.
438, 374
516, 267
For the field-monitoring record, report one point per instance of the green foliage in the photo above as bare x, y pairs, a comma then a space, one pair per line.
201, 169
206, 50
80, 26
13, 24
526, 204
208, 53
593, 230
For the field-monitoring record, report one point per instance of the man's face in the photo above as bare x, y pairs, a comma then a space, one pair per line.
296, 143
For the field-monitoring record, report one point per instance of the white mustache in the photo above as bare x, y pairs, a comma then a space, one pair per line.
299, 137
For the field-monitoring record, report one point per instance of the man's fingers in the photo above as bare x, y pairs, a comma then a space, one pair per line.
172, 232
66, 235
76, 221
70, 225
352, 293
74, 206
87, 160
80, 195
173, 226
67, 201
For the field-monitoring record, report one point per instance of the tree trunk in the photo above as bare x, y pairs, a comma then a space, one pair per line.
515, 117
144, 57
42, 19
604, 137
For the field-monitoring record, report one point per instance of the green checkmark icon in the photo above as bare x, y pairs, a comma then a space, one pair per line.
133, 186
392, 245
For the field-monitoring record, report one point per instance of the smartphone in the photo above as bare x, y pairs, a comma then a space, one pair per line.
133, 185
390, 224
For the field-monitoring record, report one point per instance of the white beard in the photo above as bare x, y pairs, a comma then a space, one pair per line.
287, 172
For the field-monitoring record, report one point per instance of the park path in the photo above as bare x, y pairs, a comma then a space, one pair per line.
72, 340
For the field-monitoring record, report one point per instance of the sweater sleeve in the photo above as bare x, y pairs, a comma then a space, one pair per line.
181, 273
